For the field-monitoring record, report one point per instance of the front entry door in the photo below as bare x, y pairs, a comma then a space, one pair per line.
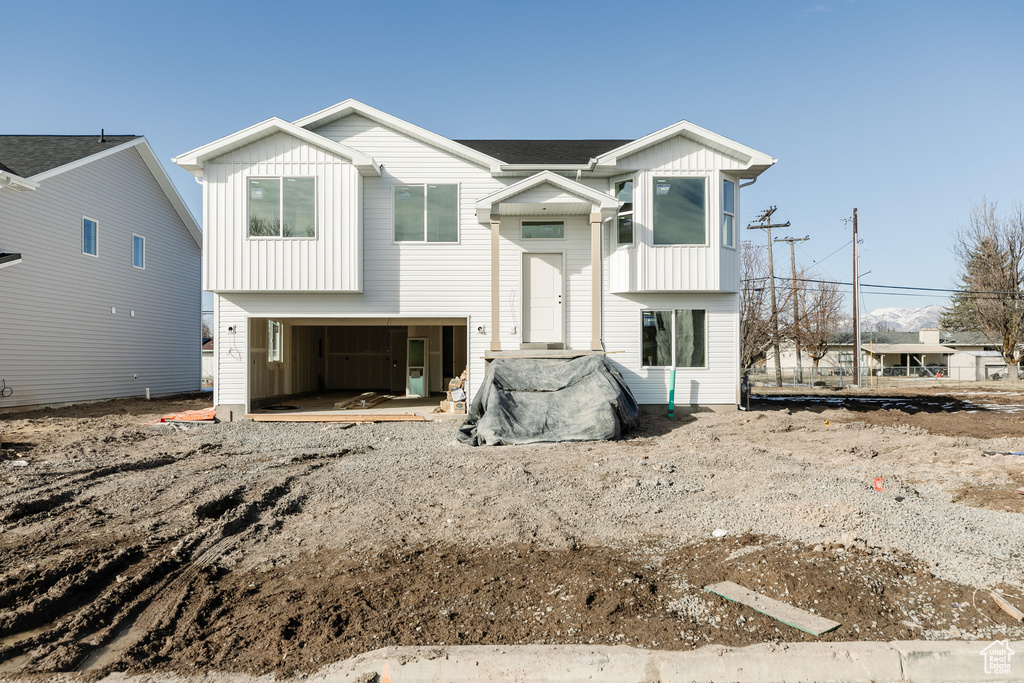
542, 298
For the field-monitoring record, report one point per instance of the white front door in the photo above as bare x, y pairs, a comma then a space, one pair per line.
542, 298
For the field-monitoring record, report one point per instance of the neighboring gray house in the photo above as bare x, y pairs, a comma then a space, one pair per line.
99, 272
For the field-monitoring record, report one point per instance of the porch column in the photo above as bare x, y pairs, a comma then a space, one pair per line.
495, 292
595, 282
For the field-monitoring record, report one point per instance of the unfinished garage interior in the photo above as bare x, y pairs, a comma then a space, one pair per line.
316, 362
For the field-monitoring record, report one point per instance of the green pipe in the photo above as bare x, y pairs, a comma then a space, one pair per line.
672, 395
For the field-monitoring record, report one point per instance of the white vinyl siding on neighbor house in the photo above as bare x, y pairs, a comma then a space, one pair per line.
79, 329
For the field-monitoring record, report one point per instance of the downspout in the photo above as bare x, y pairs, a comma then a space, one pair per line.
749, 184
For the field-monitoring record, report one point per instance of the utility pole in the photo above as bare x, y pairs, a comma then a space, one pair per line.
799, 378
765, 224
856, 312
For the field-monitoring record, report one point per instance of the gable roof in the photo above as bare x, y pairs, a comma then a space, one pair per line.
485, 206
192, 161
544, 152
29, 155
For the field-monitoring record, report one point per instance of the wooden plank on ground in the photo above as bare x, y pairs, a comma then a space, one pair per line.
365, 396
334, 417
787, 614
1007, 607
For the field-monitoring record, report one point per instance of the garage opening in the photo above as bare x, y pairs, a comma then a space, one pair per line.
317, 363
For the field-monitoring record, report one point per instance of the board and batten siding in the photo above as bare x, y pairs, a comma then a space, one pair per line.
331, 261
68, 332
646, 267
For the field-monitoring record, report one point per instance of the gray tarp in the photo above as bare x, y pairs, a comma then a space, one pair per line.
527, 400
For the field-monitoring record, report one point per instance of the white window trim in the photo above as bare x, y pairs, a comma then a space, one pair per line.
672, 351
735, 202
541, 239
143, 266
280, 207
615, 222
707, 208
97, 224
424, 242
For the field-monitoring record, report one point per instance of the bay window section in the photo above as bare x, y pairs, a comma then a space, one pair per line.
679, 211
426, 213
282, 207
624, 221
728, 213
680, 335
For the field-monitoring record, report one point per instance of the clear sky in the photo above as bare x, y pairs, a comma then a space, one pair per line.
909, 111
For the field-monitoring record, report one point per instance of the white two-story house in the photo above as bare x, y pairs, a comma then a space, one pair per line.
352, 251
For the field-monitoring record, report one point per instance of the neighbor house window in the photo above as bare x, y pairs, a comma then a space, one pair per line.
426, 213
624, 222
90, 237
273, 341
679, 335
679, 211
282, 207
138, 251
543, 230
728, 213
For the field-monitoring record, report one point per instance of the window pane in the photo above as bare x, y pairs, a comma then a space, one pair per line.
138, 252
542, 229
624, 191
626, 229
408, 213
727, 231
679, 211
729, 196
264, 207
299, 207
657, 338
689, 339
442, 213
88, 236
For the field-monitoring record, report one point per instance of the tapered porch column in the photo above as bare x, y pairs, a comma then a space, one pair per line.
595, 282
495, 291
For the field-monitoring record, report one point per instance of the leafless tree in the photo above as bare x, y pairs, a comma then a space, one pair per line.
990, 253
756, 324
821, 315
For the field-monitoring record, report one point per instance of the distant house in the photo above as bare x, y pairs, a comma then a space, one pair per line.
99, 270
207, 351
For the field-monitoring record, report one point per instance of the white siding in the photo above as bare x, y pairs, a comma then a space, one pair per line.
59, 339
332, 261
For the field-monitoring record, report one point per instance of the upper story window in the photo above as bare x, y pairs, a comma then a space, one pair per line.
426, 213
624, 222
728, 213
90, 237
543, 230
138, 251
679, 211
282, 207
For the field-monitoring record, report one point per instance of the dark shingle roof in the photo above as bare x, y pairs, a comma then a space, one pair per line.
29, 155
542, 152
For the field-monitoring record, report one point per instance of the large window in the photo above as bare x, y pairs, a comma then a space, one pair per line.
624, 222
90, 237
543, 230
138, 251
678, 334
679, 211
282, 207
728, 213
426, 213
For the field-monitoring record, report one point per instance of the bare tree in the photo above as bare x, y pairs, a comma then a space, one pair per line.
990, 252
756, 324
820, 318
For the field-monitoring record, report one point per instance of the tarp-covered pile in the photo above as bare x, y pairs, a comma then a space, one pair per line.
528, 400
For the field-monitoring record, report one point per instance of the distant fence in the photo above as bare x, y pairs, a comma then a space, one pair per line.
884, 377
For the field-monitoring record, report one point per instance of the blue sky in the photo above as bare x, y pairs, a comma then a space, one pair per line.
908, 111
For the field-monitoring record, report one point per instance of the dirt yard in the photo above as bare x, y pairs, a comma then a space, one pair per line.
255, 548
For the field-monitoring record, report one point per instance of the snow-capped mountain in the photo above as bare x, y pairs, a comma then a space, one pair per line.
903, 319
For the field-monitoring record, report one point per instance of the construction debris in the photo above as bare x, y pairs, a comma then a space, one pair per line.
1007, 607
365, 400
455, 400
203, 415
780, 611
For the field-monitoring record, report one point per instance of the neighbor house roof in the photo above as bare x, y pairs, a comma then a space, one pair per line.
544, 152
912, 349
29, 155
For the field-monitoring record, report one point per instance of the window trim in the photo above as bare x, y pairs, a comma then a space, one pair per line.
707, 208
280, 208
97, 238
672, 350
134, 236
735, 197
426, 206
619, 212
541, 240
